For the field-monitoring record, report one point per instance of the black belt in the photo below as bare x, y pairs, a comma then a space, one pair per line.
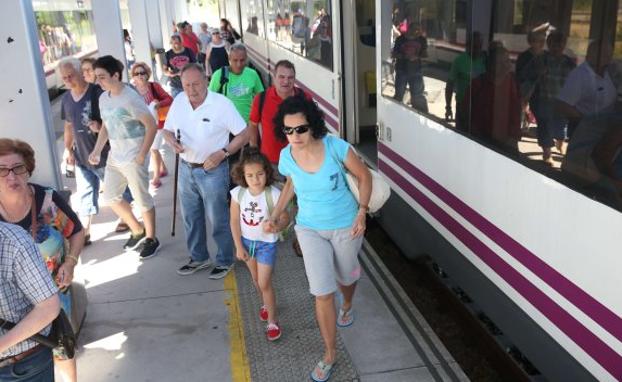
16, 358
193, 165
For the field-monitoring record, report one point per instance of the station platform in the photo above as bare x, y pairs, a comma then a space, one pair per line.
146, 323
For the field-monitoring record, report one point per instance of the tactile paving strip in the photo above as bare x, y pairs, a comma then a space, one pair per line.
293, 356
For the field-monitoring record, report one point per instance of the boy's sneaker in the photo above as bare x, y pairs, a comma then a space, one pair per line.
263, 313
194, 266
220, 271
134, 241
149, 248
273, 332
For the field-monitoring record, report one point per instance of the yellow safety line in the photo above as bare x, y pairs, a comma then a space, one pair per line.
240, 370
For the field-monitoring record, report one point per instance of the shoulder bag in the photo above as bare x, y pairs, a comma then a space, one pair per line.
380, 189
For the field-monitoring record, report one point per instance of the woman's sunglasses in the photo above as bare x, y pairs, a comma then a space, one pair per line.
298, 129
17, 170
136, 74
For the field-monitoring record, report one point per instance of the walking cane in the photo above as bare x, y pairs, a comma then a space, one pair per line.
175, 185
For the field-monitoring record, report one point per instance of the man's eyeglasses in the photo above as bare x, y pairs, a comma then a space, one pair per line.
136, 74
17, 170
298, 129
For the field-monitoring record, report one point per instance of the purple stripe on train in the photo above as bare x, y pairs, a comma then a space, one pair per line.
578, 297
588, 341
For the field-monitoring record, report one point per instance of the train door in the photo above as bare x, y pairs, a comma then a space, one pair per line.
359, 79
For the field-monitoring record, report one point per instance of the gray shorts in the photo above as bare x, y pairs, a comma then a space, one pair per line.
330, 257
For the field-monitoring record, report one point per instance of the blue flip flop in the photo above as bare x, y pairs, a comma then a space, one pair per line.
345, 318
322, 371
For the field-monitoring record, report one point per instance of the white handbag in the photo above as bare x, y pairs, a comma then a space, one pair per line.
380, 189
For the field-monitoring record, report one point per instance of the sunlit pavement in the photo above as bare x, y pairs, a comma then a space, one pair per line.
144, 322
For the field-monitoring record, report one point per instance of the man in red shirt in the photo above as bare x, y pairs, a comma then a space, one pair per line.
263, 110
284, 79
188, 38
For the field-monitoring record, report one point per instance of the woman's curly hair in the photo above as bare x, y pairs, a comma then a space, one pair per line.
311, 111
251, 155
15, 146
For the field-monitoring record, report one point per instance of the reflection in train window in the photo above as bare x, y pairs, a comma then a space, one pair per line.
252, 16
63, 30
425, 37
536, 79
304, 27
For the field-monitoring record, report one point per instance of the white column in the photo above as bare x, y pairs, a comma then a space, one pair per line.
167, 16
24, 106
140, 30
154, 23
109, 30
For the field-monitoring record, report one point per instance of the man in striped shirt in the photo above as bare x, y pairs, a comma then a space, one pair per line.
28, 298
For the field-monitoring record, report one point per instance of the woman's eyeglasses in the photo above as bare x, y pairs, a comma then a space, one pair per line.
17, 170
136, 74
298, 129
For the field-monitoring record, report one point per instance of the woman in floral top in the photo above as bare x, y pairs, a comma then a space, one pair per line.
45, 215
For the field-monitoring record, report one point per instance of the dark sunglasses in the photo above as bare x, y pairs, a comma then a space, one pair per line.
17, 170
136, 74
298, 129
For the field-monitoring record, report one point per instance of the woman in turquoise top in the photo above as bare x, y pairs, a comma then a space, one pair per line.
330, 223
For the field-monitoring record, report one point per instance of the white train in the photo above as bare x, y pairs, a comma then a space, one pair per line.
538, 254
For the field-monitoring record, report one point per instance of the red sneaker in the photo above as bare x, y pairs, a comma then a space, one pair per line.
273, 332
263, 313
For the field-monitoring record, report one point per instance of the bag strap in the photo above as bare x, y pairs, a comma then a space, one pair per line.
33, 217
40, 338
241, 194
262, 100
269, 200
224, 78
333, 154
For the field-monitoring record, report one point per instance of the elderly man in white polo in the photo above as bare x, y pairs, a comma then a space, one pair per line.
204, 120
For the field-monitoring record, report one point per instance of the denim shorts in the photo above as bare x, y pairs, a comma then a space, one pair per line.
330, 256
263, 252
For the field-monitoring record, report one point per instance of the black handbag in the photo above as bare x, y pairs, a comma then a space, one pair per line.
62, 339
63, 336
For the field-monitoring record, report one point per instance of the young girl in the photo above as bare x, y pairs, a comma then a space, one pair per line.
251, 204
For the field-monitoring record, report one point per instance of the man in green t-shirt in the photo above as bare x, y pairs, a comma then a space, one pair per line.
240, 83
466, 67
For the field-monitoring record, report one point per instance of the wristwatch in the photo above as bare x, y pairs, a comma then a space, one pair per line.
227, 153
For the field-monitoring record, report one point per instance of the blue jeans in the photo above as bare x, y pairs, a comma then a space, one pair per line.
414, 80
37, 367
203, 195
87, 187
551, 125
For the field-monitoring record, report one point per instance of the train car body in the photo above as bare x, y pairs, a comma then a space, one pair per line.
537, 254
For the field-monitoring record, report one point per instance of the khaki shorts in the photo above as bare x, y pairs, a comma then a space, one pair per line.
130, 175
331, 257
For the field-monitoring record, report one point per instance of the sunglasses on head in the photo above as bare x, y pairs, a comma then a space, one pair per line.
298, 129
136, 74
17, 170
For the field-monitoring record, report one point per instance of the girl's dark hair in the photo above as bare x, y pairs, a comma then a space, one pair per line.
251, 155
299, 104
111, 65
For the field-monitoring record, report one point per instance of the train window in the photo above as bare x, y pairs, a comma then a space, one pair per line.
252, 17
424, 38
304, 27
543, 76
63, 30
